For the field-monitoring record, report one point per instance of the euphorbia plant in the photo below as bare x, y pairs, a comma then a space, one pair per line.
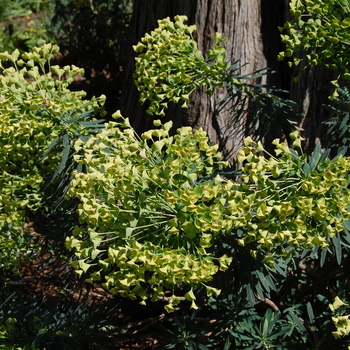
169, 65
151, 208
139, 215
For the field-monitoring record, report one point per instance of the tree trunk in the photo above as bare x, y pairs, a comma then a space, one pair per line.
251, 28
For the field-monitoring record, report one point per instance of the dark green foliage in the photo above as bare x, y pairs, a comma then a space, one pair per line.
184, 332
265, 111
258, 282
339, 123
59, 324
228, 322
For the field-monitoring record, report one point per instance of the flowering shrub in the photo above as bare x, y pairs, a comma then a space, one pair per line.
36, 107
151, 208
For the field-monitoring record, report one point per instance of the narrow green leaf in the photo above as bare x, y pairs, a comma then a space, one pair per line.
338, 248
65, 156
49, 148
297, 322
311, 315
265, 327
323, 257
306, 169
316, 155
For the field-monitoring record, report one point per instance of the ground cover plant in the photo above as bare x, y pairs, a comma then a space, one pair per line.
249, 257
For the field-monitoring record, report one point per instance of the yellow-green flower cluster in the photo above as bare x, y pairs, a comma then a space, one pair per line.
169, 65
144, 197
341, 322
290, 203
34, 100
321, 27
152, 208
31, 102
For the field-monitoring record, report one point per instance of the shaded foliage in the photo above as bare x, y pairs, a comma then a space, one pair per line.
338, 123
